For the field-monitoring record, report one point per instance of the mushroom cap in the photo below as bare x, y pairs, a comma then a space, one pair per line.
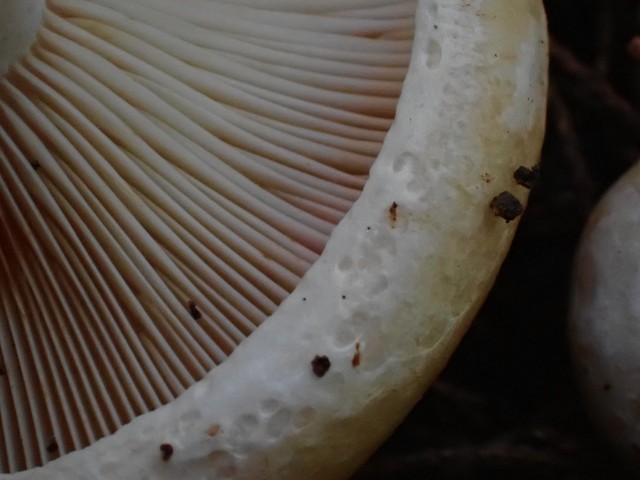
605, 315
338, 364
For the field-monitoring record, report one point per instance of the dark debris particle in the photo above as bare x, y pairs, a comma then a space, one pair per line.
166, 450
36, 165
53, 446
193, 310
506, 206
393, 213
3, 371
527, 177
320, 365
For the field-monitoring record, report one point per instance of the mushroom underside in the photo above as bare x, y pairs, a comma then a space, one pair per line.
168, 173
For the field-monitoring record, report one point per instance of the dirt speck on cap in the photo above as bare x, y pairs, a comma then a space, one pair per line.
166, 451
527, 177
506, 206
320, 365
393, 214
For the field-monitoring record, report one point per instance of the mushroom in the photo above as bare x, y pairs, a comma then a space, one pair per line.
240, 239
605, 319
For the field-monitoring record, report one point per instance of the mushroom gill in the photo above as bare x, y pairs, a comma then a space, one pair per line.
168, 172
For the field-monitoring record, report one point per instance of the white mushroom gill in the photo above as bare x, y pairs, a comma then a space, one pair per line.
168, 172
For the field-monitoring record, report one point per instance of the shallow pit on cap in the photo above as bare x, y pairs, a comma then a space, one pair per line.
168, 172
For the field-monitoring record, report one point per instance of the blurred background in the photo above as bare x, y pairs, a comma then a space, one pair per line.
507, 406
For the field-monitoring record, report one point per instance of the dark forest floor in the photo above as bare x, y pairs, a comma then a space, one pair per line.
507, 406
